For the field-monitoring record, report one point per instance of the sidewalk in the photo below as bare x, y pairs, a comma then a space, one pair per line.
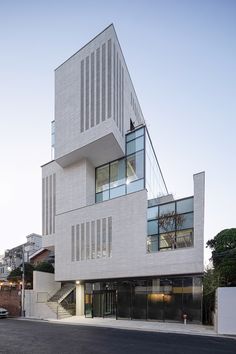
165, 327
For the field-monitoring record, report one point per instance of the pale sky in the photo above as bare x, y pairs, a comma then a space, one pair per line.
181, 55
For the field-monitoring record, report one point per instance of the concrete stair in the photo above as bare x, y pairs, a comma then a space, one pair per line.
62, 293
59, 310
55, 302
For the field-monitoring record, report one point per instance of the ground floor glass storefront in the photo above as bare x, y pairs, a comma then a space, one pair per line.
161, 299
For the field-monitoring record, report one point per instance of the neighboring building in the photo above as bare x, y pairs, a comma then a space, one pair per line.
42, 255
12, 258
130, 248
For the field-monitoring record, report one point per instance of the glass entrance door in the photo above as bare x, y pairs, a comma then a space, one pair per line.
104, 303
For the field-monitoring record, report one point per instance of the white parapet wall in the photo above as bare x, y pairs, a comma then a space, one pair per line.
225, 315
44, 287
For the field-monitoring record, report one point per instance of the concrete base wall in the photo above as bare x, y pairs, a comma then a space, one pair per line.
225, 316
35, 300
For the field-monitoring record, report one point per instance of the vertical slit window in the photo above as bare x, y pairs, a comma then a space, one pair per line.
104, 237
98, 239
119, 95
82, 242
109, 236
87, 94
46, 205
87, 240
109, 69
92, 89
98, 86
72, 243
82, 96
43, 206
77, 243
103, 82
50, 204
54, 201
122, 100
93, 239
114, 82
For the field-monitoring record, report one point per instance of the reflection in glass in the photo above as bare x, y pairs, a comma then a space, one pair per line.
166, 208
184, 206
155, 183
135, 186
167, 241
187, 221
102, 178
152, 227
135, 167
135, 145
117, 173
117, 192
102, 196
184, 238
135, 134
152, 244
152, 213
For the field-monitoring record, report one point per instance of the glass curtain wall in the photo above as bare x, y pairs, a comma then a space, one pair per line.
125, 175
155, 183
139, 169
161, 299
170, 225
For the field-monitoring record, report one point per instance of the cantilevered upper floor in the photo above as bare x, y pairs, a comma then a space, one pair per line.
95, 103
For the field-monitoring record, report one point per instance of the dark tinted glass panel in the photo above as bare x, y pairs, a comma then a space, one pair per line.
184, 206
124, 300
186, 222
140, 299
88, 305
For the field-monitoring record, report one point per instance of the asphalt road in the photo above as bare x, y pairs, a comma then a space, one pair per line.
21, 336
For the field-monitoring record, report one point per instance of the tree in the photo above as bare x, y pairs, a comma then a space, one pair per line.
170, 222
223, 247
211, 281
16, 274
45, 267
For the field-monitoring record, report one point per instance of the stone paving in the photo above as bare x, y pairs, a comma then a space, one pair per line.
150, 326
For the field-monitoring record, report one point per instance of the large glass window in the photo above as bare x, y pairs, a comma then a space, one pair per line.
172, 224
155, 183
125, 175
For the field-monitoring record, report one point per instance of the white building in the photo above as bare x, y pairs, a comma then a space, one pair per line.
130, 248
